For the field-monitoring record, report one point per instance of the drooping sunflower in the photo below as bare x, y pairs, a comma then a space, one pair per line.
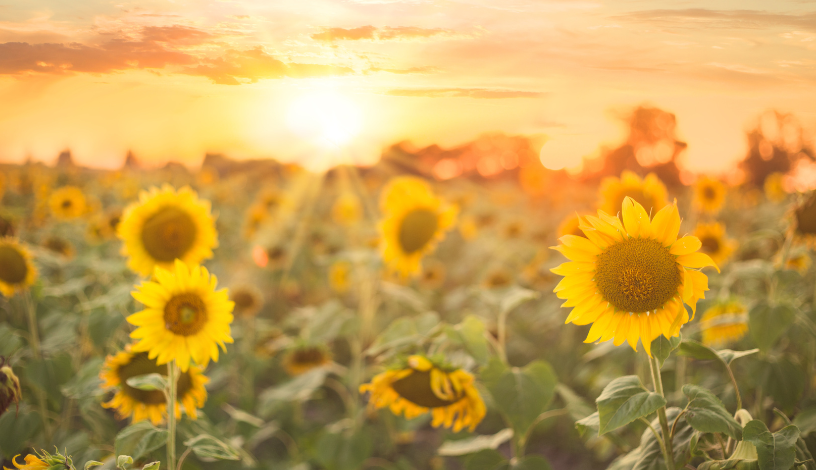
30, 462
248, 300
420, 386
302, 359
709, 195
68, 202
630, 279
804, 220
340, 276
165, 225
184, 317
774, 188
414, 221
649, 192
724, 323
10, 391
17, 271
714, 242
347, 209
149, 404
570, 226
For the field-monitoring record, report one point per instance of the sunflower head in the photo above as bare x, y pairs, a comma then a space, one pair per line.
709, 195
713, 241
419, 386
804, 219
165, 225
513, 230
68, 202
59, 246
10, 391
774, 187
17, 272
498, 278
724, 323
302, 359
798, 260
468, 228
184, 318
433, 274
256, 217
149, 404
340, 273
6, 227
630, 279
347, 209
414, 221
42, 461
248, 300
649, 192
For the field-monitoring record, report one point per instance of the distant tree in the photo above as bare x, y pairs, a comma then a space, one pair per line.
776, 142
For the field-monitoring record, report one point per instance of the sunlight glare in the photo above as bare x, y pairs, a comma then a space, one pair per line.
327, 118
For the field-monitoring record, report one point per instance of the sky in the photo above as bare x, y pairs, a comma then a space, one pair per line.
323, 82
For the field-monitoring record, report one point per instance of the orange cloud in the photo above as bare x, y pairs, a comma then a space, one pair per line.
484, 93
372, 33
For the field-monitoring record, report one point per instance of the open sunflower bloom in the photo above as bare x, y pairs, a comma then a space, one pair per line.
184, 318
649, 192
421, 387
17, 272
68, 202
165, 225
631, 279
149, 404
709, 195
714, 242
415, 220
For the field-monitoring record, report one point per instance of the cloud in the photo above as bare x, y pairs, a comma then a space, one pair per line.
371, 33
483, 93
420, 70
728, 19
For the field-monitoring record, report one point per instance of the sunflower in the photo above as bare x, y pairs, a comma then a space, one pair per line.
421, 386
570, 226
31, 462
10, 391
724, 323
513, 230
433, 274
248, 300
414, 221
714, 242
804, 220
185, 317
340, 276
709, 195
630, 279
68, 202
166, 225
774, 189
347, 209
799, 261
468, 228
498, 278
6, 227
17, 272
149, 404
256, 217
103, 227
302, 359
649, 192
59, 245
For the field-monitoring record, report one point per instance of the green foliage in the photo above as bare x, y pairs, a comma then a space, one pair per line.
767, 323
625, 400
706, 413
522, 394
776, 451
140, 439
662, 347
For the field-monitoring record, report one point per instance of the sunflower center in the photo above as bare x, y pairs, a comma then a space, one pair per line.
168, 234
709, 193
417, 229
637, 275
185, 314
710, 245
806, 217
416, 388
308, 356
243, 300
140, 364
13, 267
66, 204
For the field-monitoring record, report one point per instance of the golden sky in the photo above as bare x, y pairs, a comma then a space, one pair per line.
319, 80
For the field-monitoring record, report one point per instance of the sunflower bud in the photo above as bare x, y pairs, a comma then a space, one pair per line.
9, 387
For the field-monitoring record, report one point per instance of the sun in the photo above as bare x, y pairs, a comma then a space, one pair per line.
327, 118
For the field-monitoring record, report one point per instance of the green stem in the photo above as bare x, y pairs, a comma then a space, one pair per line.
736, 387
172, 376
502, 334
668, 453
34, 337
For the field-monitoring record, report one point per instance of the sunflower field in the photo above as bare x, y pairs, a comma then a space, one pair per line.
378, 318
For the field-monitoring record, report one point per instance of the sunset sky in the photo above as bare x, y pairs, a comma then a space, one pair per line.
319, 80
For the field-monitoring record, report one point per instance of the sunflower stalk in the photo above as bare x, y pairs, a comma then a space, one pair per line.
172, 384
668, 453
34, 336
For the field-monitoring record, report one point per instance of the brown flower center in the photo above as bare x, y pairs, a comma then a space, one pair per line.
66, 204
709, 193
13, 267
168, 234
417, 229
710, 245
416, 388
806, 217
245, 301
637, 275
185, 314
308, 356
140, 364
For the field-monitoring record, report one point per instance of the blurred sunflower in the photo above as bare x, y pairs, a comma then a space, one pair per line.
421, 386
570, 226
347, 209
149, 404
468, 228
270, 199
630, 279
774, 189
17, 272
256, 217
498, 278
6, 227
513, 230
340, 276
67, 202
185, 317
709, 195
166, 225
649, 192
10, 391
804, 220
248, 300
724, 323
59, 245
302, 359
799, 261
433, 274
414, 221
103, 227
714, 242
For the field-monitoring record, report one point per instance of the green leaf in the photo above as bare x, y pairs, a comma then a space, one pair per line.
728, 356
698, 350
785, 382
92, 463
663, 347
403, 331
577, 407
625, 400
206, 446
138, 440
475, 443
523, 394
300, 388
648, 456
516, 297
706, 413
123, 460
470, 333
590, 423
148, 382
767, 323
776, 451
152, 466
16, 429
806, 421
339, 451
485, 460
9, 341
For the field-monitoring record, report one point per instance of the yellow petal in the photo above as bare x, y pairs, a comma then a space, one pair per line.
646, 333
686, 245
579, 243
572, 267
697, 260
622, 330
634, 331
574, 280
635, 219
599, 327
575, 254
